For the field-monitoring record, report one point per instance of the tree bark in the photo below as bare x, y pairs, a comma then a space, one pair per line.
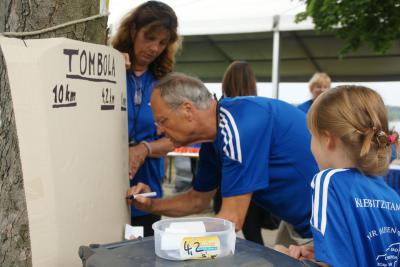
26, 16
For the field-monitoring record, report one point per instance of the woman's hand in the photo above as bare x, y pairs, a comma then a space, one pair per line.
127, 60
137, 155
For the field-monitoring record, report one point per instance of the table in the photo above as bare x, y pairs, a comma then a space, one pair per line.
174, 154
141, 253
393, 177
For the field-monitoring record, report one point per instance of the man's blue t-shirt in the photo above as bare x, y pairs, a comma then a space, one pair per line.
305, 107
356, 219
262, 146
141, 127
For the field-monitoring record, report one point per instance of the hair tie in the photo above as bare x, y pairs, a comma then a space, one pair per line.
392, 139
381, 138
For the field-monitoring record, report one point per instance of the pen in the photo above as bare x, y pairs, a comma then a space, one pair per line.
149, 194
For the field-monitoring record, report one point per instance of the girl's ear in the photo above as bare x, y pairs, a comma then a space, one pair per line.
330, 140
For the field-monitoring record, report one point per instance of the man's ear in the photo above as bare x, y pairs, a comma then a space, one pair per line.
187, 109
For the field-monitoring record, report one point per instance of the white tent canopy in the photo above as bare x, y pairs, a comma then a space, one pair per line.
219, 32
208, 17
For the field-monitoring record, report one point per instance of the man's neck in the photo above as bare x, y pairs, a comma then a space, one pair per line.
208, 123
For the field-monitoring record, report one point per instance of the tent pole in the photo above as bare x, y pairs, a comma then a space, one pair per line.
275, 58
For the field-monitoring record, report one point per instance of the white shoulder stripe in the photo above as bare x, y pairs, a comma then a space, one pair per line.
236, 132
226, 132
316, 199
324, 198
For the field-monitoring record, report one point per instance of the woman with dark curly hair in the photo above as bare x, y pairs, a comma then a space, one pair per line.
148, 38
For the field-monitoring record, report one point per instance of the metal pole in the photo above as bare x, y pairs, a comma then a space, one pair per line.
275, 57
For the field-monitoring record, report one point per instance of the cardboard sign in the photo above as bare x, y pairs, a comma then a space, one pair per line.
69, 100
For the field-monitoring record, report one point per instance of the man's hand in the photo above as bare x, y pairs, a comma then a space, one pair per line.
141, 203
137, 155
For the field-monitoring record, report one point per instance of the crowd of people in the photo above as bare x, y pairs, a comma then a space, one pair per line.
315, 169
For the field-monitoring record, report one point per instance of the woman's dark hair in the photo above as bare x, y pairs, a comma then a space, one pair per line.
239, 80
151, 16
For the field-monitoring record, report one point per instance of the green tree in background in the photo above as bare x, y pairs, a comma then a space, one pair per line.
374, 22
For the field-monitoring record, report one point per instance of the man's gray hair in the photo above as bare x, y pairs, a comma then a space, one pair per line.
175, 88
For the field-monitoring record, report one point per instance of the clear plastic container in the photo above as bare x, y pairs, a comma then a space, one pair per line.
194, 238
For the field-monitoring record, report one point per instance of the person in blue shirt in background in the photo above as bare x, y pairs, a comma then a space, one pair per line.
148, 38
319, 83
356, 215
254, 149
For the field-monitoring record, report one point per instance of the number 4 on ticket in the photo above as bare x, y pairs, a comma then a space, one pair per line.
200, 248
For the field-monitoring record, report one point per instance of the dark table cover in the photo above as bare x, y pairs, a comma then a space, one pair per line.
141, 253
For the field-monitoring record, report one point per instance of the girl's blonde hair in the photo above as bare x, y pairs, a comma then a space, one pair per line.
152, 16
356, 115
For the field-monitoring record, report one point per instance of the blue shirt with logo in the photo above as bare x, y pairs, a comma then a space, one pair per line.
262, 146
356, 219
141, 127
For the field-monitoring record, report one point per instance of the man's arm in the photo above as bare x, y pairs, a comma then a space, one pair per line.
190, 202
234, 209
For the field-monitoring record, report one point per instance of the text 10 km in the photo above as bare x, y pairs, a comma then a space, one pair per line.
63, 96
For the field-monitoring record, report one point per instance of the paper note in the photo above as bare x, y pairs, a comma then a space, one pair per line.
133, 232
171, 239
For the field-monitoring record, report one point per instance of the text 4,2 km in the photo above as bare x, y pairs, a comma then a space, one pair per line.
108, 99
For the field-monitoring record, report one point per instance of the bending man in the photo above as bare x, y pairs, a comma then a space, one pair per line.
254, 148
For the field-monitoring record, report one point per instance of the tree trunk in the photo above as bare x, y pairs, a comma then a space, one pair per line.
26, 16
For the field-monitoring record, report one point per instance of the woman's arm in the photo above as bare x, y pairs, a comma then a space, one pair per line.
155, 149
160, 147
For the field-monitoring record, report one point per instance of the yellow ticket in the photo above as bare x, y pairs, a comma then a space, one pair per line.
200, 247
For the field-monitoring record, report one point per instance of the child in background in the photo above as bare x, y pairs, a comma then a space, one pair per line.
356, 215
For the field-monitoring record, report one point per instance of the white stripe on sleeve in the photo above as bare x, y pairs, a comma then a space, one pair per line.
236, 132
226, 131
